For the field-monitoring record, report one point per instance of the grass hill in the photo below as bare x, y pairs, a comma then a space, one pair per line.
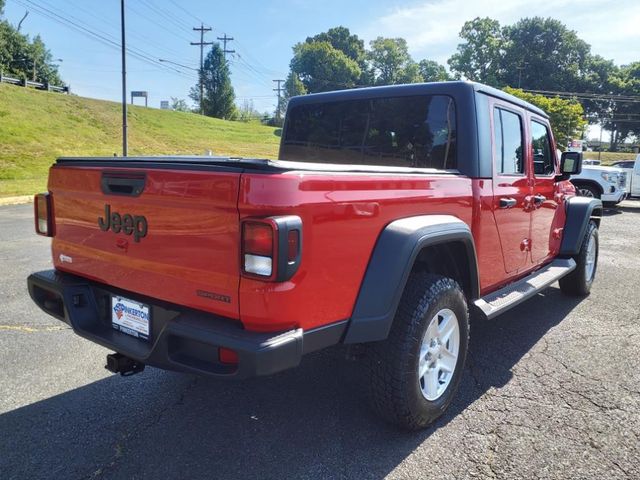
37, 127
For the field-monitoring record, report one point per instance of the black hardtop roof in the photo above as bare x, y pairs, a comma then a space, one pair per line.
433, 88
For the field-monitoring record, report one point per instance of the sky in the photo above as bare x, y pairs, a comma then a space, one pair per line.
265, 31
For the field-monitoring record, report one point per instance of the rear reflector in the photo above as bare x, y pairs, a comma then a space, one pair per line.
227, 355
43, 214
293, 245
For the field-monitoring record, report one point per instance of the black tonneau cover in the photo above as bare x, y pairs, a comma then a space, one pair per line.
235, 164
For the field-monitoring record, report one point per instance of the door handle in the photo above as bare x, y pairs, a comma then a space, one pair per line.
538, 199
508, 202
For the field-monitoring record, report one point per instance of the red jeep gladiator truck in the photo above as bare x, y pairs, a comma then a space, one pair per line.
391, 215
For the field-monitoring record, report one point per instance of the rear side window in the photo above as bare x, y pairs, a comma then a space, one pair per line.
417, 132
507, 137
543, 159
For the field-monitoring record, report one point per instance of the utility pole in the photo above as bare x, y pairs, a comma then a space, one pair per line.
520, 68
226, 39
279, 89
201, 44
124, 83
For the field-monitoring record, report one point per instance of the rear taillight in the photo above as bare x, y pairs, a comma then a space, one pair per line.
271, 247
43, 214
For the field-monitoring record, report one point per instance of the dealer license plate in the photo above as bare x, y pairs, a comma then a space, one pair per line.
130, 317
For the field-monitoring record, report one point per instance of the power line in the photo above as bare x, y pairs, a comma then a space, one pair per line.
589, 96
202, 29
161, 13
197, 19
148, 19
94, 34
134, 34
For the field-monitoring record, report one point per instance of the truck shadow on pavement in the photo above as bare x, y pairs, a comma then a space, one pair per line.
311, 422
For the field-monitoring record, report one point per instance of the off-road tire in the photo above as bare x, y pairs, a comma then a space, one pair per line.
576, 283
395, 391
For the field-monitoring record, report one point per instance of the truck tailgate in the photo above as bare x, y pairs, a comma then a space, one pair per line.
177, 239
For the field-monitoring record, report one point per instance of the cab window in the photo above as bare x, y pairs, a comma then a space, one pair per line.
543, 158
507, 137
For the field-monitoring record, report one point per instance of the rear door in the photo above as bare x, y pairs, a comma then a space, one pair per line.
168, 233
511, 185
543, 201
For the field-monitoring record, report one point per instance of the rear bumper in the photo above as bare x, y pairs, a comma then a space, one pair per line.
181, 339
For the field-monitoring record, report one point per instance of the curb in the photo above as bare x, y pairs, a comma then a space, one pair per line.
16, 200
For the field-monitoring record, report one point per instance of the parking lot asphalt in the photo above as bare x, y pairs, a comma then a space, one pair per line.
551, 390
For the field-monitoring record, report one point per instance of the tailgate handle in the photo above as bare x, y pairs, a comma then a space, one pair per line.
123, 184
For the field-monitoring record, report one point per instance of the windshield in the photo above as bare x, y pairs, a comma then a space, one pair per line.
416, 131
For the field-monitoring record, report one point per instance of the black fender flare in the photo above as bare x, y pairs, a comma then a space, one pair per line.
389, 267
579, 211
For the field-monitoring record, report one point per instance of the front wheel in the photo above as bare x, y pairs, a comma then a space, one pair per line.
589, 191
580, 280
415, 373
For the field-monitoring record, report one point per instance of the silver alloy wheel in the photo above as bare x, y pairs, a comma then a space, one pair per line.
438, 354
590, 264
585, 192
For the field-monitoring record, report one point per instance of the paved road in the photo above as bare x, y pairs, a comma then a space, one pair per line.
552, 391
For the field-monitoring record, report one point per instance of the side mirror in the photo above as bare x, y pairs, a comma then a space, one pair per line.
570, 163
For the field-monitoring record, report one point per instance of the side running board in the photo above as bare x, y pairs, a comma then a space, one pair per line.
508, 297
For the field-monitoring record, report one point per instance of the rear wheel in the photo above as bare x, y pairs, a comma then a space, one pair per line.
416, 371
580, 280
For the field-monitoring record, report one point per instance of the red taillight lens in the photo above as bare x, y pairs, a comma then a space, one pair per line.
258, 239
43, 217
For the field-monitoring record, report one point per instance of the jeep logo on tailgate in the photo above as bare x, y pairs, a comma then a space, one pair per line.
128, 224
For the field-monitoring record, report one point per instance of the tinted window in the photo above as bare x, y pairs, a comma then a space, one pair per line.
417, 131
507, 134
543, 160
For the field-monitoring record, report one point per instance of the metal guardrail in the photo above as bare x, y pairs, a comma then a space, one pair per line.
23, 82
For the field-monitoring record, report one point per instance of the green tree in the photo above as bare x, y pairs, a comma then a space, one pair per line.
350, 44
391, 62
179, 105
247, 112
341, 39
432, 71
321, 67
219, 97
543, 54
622, 117
479, 57
21, 57
293, 87
566, 116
